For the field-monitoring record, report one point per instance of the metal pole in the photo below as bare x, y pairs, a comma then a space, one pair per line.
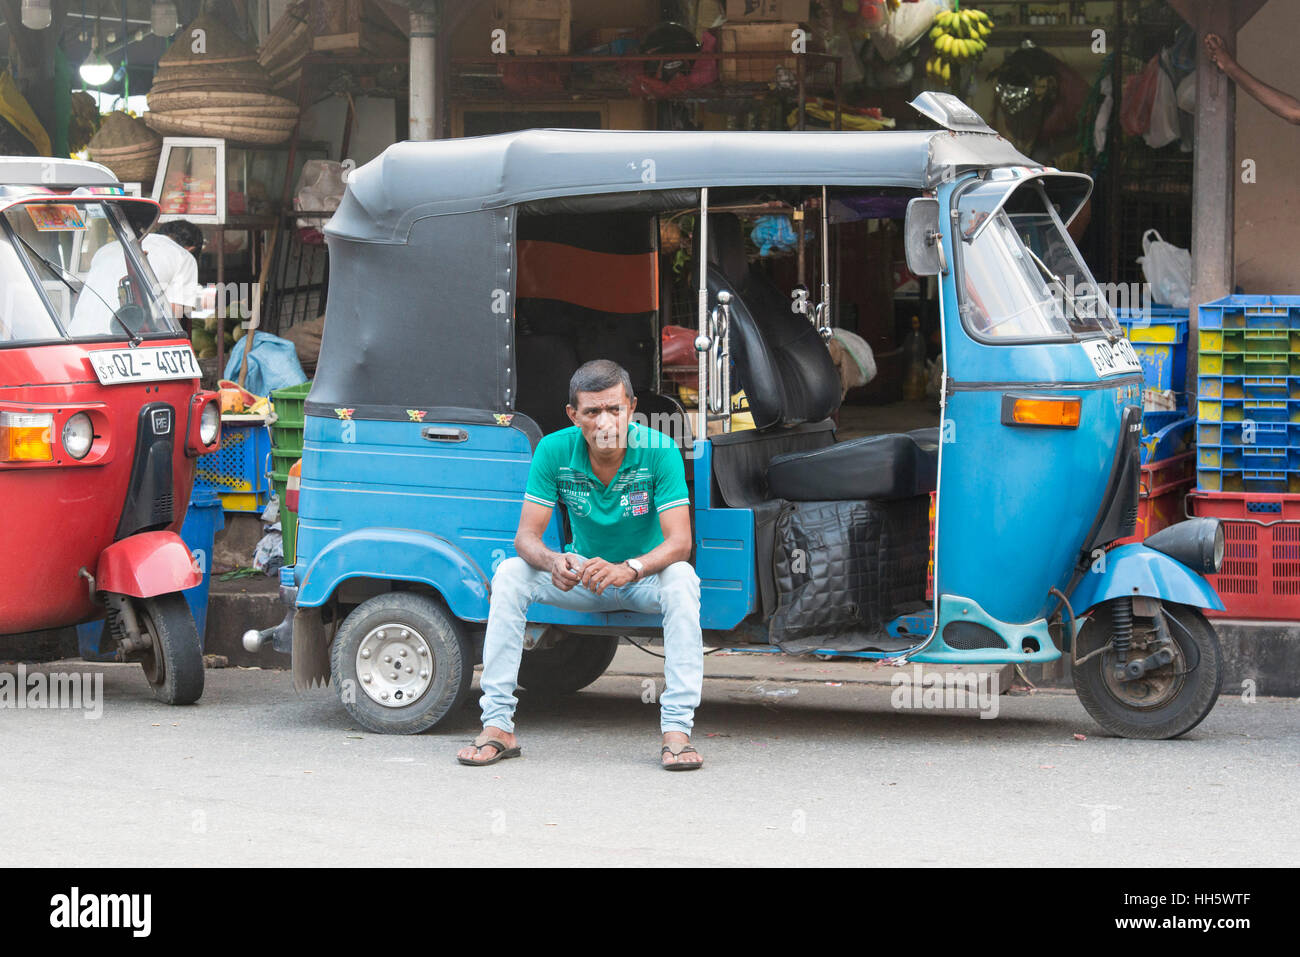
424, 44
702, 252
824, 308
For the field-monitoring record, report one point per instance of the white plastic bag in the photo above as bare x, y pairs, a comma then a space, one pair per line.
905, 26
1168, 270
1164, 111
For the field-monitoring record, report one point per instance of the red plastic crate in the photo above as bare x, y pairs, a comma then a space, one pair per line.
1260, 576
1162, 488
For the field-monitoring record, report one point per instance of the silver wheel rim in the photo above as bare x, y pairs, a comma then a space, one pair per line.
394, 665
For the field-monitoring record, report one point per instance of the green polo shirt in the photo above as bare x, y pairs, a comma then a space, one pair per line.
621, 520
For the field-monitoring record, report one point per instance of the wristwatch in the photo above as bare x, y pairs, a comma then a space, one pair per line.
637, 568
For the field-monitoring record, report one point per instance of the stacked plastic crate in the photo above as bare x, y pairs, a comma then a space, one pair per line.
1248, 454
1159, 337
286, 448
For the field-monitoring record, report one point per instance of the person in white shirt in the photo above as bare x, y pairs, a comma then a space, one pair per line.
171, 250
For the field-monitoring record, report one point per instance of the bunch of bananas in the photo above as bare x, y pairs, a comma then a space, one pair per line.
957, 36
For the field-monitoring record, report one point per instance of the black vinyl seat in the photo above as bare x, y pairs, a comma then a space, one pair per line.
781, 361
878, 467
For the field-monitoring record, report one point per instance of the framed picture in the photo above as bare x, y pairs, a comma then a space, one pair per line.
191, 180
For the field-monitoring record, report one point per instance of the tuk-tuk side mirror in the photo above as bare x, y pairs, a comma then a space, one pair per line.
922, 238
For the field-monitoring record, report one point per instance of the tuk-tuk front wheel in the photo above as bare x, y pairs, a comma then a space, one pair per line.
567, 666
1164, 701
401, 663
173, 662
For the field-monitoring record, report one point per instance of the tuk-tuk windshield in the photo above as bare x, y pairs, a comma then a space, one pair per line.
94, 283
1022, 276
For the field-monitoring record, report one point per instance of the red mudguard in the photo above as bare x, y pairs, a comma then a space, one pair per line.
147, 564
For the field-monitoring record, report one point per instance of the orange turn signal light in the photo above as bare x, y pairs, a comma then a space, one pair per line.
26, 437
1053, 413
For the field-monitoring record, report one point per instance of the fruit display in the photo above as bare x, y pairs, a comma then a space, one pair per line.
958, 37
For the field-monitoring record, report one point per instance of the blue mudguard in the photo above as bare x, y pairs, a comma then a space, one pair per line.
398, 554
1137, 570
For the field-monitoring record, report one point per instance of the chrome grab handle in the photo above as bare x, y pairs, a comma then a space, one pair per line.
435, 434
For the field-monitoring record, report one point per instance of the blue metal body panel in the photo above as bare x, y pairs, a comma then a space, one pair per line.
1016, 503
1137, 570
398, 554
372, 479
380, 501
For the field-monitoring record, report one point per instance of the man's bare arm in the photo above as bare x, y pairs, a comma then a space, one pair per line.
528, 539
676, 546
1273, 100
530, 547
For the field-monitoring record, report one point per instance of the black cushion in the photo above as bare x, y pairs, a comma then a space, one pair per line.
781, 361
880, 467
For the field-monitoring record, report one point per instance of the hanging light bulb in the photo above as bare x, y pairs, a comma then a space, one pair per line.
138, 35
162, 18
36, 14
95, 70
111, 36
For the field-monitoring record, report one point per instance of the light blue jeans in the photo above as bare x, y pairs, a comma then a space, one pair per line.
673, 592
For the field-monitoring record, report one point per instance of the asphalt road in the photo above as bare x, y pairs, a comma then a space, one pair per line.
257, 774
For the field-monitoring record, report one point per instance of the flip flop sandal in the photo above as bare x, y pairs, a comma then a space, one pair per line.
502, 752
679, 766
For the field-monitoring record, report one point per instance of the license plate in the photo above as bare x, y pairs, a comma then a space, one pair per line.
145, 364
1112, 358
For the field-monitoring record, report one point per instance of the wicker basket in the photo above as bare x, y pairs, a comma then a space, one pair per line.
164, 102
245, 130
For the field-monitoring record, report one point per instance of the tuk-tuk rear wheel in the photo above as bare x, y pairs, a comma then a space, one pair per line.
386, 625
567, 666
173, 662
1165, 702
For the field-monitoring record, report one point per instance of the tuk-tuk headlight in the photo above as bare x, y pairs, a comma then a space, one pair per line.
1197, 543
78, 435
26, 437
209, 423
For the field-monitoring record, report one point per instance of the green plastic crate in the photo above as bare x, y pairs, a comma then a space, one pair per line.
290, 405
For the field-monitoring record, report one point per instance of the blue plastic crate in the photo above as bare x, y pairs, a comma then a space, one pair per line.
1165, 434
1248, 387
1159, 337
1247, 480
1269, 434
238, 471
1154, 323
1250, 312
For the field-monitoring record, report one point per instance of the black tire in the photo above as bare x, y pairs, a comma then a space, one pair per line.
417, 621
1182, 693
173, 664
569, 665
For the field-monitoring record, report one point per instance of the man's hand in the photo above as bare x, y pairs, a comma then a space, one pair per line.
1218, 53
565, 570
599, 574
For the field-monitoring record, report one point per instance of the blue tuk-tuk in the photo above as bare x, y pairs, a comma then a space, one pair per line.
470, 277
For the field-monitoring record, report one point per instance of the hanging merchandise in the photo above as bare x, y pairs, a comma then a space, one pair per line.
1139, 98
959, 38
1027, 87
1163, 128
904, 26
15, 108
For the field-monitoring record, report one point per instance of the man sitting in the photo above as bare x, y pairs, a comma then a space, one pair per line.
624, 486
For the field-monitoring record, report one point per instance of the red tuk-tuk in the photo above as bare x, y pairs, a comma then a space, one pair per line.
101, 420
